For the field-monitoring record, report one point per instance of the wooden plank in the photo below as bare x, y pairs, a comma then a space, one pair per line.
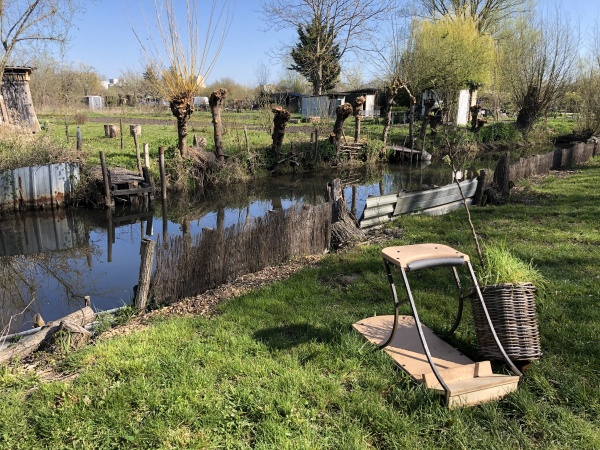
478, 369
374, 221
382, 200
376, 211
117, 192
484, 394
423, 200
469, 383
406, 349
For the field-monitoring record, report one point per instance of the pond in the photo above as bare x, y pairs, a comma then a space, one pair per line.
50, 260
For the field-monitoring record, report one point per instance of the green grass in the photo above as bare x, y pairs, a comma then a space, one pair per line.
282, 368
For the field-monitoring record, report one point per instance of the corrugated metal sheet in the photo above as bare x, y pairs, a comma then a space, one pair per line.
30, 187
379, 210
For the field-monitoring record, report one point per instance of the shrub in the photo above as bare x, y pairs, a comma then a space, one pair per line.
500, 131
80, 118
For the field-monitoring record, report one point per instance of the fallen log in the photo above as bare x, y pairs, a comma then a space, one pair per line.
31, 343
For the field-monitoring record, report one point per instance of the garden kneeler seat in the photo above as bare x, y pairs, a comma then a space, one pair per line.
419, 352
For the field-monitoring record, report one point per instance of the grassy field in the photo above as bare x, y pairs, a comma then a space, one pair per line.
281, 367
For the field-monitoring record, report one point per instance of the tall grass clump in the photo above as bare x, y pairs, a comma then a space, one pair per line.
502, 267
19, 148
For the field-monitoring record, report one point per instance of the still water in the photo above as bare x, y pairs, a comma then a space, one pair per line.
51, 260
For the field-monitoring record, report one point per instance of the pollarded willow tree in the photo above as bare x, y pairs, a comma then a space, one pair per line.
182, 61
346, 24
27, 24
538, 63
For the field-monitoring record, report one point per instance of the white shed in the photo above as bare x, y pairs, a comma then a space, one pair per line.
94, 102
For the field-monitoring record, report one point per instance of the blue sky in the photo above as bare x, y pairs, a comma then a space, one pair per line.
102, 38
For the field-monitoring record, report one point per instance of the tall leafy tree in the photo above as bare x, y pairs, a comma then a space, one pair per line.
317, 56
348, 22
450, 54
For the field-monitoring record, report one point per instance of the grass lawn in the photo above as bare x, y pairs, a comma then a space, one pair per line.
281, 367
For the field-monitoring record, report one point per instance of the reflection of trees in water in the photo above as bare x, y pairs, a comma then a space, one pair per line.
25, 280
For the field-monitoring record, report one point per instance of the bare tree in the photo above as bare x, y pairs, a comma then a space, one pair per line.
183, 61
393, 65
346, 23
487, 14
539, 64
28, 23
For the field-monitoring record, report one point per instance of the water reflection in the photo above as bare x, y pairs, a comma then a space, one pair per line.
49, 261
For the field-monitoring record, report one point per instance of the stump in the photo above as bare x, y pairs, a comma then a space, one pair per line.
344, 228
110, 131
135, 130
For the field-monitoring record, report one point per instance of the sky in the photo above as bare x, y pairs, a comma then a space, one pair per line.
102, 38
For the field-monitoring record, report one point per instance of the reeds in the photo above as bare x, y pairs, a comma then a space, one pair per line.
187, 266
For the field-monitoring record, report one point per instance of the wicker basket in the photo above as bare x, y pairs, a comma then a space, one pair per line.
512, 310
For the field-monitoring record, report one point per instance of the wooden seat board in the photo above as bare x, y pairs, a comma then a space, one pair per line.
406, 349
470, 383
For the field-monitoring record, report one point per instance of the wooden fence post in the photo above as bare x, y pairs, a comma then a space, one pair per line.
147, 259
78, 139
107, 197
146, 155
121, 131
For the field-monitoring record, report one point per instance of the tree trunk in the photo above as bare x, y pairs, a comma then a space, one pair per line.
411, 123
344, 229
280, 120
388, 114
216, 102
358, 103
425, 120
501, 176
182, 107
529, 110
29, 344
342, 113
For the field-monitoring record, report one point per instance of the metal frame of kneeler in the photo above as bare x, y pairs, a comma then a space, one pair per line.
460, 380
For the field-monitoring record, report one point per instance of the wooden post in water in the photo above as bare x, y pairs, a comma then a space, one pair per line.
141, 295
78, 139
163, 178
110, 235
108, 202
165, 224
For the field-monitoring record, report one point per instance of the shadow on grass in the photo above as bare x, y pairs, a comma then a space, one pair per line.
293, 335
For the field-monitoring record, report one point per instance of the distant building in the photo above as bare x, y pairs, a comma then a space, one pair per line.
16, 104
321, 105
369, 107
94, 102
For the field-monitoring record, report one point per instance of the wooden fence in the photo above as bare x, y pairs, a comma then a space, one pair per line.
187, 266
560, 158
379, 210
